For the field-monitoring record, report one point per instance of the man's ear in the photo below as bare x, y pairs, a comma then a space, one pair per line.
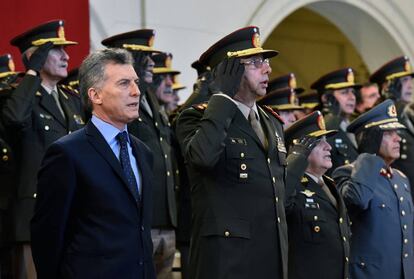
95, 96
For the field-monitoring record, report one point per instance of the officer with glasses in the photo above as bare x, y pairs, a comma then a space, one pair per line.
236, 157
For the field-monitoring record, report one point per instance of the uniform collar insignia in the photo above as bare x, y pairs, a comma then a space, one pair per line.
304, 180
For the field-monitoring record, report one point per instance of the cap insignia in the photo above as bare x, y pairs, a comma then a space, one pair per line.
256, 40
168, 62
350, 76
292, 81
11, 65
151, 41
392, 111
321, 122
61, 32
407, 66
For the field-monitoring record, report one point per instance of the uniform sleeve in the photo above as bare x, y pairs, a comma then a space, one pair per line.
356, 182
18, 107
55, 192
202, 136
296, 166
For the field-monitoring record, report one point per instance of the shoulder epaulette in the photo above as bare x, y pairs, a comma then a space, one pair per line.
400, 172
69, 90
200, 107
274, 113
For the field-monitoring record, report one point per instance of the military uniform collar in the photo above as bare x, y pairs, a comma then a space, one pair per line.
48, 89
245, 110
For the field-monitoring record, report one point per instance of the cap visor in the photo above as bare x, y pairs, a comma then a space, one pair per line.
321, 133
165, 71
287, 107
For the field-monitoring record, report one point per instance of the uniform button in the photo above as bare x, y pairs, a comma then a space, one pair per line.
274, 179
406, 255
277, 199
139, 119
226, 233
344, 238
346, 259
5, 158
268, 160
142, 228
165, 156
317, 229
242, 155
403, 213
278, 219
70, 132
243, 167
405, 227
4, 150
156, 124
34, 195
177, 172
315, 218
168, 173
404, 140
362, 264
383, 205
395, 186
160, 138
341, 220
169, 125
405, 240
404, 147
346, 162
401, 199
141, 263
403, 156
47, 128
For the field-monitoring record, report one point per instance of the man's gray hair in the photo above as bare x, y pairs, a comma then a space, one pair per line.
92, 69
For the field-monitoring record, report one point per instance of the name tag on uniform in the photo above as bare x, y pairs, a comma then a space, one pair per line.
312, 205
243, 175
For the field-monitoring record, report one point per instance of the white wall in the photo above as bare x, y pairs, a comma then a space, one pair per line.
379, 29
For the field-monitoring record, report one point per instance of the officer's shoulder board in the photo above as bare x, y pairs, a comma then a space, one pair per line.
68, 90
400, 172
272, 112
200, 107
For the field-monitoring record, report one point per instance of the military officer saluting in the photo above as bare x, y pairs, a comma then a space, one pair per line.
337, 93
378, 199
236, 158
282, 97
316, 214
37, 113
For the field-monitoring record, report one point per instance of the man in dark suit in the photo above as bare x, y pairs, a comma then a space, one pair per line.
235, 155
337, 92
37, 113
92, 217
154, 130
318, 222
378, 199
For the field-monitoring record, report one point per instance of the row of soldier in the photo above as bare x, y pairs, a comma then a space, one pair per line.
251, 154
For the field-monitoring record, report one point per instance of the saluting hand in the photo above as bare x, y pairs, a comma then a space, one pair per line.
227, 76
304, 145
38, 57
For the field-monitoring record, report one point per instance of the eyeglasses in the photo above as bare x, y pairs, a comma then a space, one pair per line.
257, 62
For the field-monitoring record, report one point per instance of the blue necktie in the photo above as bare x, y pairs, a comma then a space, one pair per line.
126, 164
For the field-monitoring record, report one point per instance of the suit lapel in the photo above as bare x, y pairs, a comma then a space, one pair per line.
49, 104
143, 168
101, 146
269, 130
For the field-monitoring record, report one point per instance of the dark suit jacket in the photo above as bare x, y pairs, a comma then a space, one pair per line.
239, 225
87, 223
155, 132
33, 122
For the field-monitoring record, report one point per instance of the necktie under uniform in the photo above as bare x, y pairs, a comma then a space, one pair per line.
126, 164
254, 122
55, 95
328, 192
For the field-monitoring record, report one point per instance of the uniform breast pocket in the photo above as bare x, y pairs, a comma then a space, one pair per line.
314, 225
238, 162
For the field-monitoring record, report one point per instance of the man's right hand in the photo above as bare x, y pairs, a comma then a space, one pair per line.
38, 57
304, 145
227, 76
